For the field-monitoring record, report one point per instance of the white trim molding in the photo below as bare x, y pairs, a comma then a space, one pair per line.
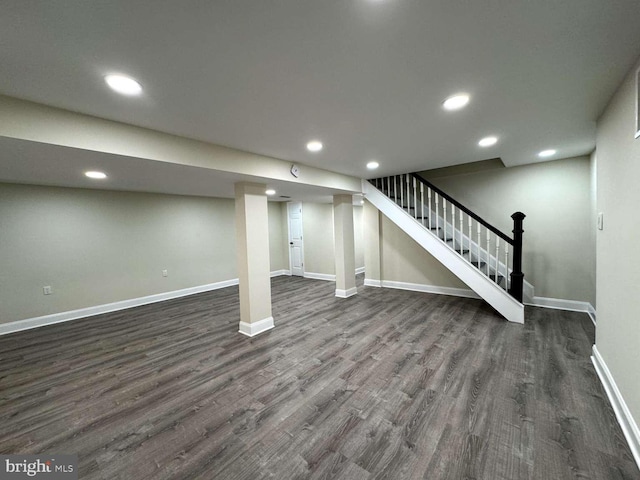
327, 276
419, 287
320, 276
255, 328
346, 293
554, 303
278, 273
592, 314
625, 419
562, 304
29, 323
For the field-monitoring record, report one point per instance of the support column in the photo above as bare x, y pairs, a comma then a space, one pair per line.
344, 246
372, 252
252, 244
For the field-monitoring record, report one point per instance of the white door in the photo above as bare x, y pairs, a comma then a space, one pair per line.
296, 255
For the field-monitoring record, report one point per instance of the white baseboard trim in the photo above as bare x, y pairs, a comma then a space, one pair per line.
592, 314
419, 287
625, 419
254, 328
327, 276
562, 304
555, 303
29, 323
528, 290
346, 293
278, 273
320, 276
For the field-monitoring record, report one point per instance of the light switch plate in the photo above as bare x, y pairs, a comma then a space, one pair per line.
600, 221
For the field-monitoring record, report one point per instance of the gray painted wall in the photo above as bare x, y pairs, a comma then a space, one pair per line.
618, 267
95, 247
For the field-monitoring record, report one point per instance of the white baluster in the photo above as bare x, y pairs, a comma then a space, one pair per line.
497, 256
444, 218
470, 236
461, 233
437, 215
506, 266
422, 200
429, 209
453, 225
401, 191
395, 197
488, 251
408, 194
478, 246
415, 199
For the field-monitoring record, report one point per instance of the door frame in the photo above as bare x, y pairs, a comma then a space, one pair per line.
289, 205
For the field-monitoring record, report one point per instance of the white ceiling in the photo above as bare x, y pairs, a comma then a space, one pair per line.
36, 163
367, 77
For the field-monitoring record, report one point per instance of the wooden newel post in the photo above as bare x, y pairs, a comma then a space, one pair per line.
517, 277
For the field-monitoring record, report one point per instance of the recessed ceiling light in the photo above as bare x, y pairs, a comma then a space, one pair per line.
547, 153
488, 141
123, 85
314, 146
456, 102
372, 165
361, 202
270, 191
95, 175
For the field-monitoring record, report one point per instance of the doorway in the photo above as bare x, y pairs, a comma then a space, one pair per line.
296, 251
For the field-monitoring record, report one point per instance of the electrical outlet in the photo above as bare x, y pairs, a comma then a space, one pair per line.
165, 273
47, 290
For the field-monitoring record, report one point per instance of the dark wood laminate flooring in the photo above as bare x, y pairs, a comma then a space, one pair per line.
386, 384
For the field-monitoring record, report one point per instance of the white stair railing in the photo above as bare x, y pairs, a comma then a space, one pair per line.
438, 215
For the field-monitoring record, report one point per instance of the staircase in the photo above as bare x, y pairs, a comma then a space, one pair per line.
486, 259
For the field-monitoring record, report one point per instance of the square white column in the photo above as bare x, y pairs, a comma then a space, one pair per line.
344, 246
252, 245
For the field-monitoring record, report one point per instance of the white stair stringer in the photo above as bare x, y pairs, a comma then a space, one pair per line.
488, 290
